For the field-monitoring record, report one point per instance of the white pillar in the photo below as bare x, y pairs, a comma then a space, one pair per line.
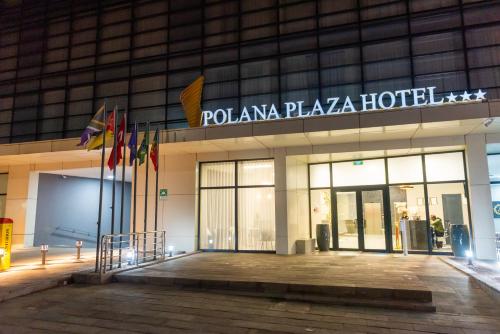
483, 228
280, 199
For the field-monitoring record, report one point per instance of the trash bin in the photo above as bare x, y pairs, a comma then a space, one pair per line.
5, 242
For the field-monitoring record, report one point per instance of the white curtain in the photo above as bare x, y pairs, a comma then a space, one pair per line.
256, 229
217, 219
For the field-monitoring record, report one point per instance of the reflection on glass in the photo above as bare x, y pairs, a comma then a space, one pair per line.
444, 167
408, 200
347, 217
373, 219
447, 205
256, 219
217, 219
357, 173
255, 172
319, 176
320, 210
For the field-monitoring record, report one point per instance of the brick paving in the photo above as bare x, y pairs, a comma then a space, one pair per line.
452, 290
123, 308
462, 306
27, 275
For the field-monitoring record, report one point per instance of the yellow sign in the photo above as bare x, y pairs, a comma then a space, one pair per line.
5, 242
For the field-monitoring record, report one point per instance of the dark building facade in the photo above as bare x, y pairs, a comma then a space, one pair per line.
59, 60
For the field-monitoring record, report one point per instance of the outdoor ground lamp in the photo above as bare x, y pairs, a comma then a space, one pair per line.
130, 256
78, 244
44, 249
170, 250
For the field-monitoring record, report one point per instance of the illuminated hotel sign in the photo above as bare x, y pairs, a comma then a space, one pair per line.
406, 98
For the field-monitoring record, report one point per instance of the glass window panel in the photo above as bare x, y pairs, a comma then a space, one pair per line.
408, 201
442, 62
433, 22
321, 209
486, 77
360, 172
437, 43
447, 205
444, 167
217, 219
217, 174
405, 169
256, 227
319, 176
340, 57
494, 167
256, 172
347, 218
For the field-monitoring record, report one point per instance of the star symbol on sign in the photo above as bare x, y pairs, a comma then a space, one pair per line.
465, 96
452, 97
480, 95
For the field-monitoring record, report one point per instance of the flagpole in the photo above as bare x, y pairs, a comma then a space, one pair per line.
146, 191
101, 187
124, 158
135, 180
156, 190
115, 116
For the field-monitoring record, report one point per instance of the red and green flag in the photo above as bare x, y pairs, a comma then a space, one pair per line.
143, 149
154, 151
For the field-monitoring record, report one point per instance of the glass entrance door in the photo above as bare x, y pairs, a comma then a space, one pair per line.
373, 219
360, 219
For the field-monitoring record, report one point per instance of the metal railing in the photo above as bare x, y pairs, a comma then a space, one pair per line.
121, 251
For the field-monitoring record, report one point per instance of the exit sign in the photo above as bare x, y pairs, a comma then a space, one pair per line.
163, 193
358, 163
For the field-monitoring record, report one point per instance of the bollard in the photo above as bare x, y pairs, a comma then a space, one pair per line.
404, 241
78, 244
44, 249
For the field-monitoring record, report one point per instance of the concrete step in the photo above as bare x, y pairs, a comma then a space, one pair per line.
402, 299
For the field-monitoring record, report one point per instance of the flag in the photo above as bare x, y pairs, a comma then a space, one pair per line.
154, 151
96, 125
120, 141
132, 145
143, 149
191, 102
96, 142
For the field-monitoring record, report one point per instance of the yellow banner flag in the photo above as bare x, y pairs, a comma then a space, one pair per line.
191, 102
96, 142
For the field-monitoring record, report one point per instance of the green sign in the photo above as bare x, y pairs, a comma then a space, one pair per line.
358, 163
163, 193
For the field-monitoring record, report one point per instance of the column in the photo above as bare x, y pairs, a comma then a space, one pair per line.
280, 197
483, 228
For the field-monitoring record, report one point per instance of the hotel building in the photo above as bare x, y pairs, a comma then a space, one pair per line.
349, 113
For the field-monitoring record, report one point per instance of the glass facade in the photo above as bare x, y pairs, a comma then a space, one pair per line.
59, 60
237, 206
366, 200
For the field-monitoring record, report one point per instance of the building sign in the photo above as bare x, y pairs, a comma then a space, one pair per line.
496, 209
406, 98
163, 193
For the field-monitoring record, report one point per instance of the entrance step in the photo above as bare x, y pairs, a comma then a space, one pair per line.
402, 299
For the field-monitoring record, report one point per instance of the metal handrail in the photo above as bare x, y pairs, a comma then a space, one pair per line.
120, 251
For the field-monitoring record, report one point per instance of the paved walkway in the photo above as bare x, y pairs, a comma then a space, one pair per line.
453, 291
122, 308
27, 275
